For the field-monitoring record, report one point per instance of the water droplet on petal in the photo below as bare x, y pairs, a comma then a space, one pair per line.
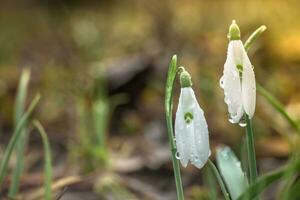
221, 82
227, 100
238, 164
225, 153
231, 120
196, 159
177, 156
235, 74
242, 122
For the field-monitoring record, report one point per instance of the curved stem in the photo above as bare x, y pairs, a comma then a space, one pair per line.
219, 178
48, 160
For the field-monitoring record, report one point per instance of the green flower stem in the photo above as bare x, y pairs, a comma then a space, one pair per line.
251, 150
219, 178
249, 131
169, 107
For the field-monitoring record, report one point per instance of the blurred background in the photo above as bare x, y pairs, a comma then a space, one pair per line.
101, 66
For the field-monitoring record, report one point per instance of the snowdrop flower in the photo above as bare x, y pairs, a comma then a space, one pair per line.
238, 80
190, 126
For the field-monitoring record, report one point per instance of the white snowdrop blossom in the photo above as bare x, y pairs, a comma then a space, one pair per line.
238, 80
190, 127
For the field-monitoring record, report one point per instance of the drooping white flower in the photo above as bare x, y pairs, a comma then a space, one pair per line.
238, 80
190, 127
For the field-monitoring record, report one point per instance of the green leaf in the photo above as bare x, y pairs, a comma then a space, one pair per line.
254, 36
14, 138
264, 181
294, 192
231, 171
48, 162
169, 85
22, 140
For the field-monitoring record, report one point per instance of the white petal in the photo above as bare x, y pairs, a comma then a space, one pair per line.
231, 81
180, 132
248, 86
201, 140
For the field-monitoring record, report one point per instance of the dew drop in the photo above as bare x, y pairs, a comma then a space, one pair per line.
196, 159
242, 123
231, 120
177, 156
221, 82
227, 100
235, 74
225, 153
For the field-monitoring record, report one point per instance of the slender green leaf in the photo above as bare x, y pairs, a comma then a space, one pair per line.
21, 143
254, 36
231, 171
100, 118
264, 181
48, 162
294, 192
14, 138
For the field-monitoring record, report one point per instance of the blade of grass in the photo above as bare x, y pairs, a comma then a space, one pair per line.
169, 107
14, 138
264, 181
48, 162
21, 143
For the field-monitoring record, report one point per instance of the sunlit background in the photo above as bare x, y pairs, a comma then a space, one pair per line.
100, 67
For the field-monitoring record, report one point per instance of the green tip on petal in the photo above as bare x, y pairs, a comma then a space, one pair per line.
234, 31
185, 79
